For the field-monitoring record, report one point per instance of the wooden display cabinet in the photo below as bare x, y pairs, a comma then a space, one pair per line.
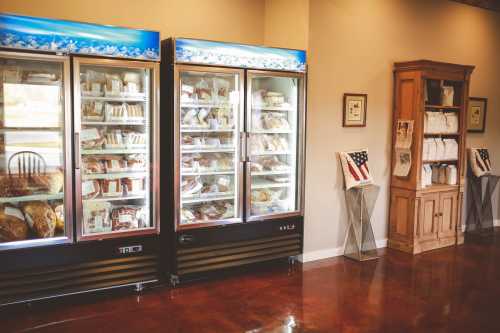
424, 218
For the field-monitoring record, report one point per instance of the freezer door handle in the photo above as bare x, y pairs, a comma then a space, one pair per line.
243, 147
77, 151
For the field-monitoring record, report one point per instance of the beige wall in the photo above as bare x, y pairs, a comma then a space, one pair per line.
352, 47
226, 20
286, 23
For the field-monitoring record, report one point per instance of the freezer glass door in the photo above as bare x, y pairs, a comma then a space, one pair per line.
208, 126
35, 166
113, 134
274, 148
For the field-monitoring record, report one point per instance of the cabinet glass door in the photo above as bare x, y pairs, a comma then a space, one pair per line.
114, 135
274, 146
208, 149
35, 162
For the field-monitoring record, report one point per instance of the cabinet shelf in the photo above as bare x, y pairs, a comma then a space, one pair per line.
34, 197
114, 123
442, 134
440, 161
122, 198
199, 199
115, 175
431, 106
141, 99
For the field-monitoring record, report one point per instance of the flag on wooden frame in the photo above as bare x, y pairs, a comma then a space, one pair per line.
355, 168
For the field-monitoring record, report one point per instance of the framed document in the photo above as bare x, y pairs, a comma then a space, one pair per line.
476, 115
355, 106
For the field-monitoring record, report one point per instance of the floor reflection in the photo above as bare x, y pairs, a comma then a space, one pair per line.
449, 290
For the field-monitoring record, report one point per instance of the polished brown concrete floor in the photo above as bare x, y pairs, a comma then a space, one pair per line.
451, 290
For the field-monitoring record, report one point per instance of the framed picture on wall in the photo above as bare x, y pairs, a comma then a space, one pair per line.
476, 115
355, 106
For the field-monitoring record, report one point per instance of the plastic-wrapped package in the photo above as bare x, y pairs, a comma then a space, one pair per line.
451, 175
115, 112
93, 111
440, 149
114, 85
92, 83
451, 122
450, 149
96, 217
40, 217
13, 225
92, 138
447, 95
111, 187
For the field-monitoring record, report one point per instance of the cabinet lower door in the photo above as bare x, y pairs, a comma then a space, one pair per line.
448, 203
429, 218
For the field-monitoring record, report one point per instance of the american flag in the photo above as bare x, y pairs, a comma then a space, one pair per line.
483, 160
357, 163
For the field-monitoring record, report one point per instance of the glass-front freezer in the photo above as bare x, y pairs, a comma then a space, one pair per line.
115, 147
208, 146
274, 123
35, 150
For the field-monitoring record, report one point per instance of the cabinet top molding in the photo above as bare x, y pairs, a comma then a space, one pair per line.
424, 64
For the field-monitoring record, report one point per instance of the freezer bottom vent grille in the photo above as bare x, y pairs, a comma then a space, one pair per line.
213, 257
42, 283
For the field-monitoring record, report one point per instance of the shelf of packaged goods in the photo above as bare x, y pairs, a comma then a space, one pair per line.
141, 99
208, 150
208, 105
114, 123
261, 185
440, 161
206, 130
187, 148
113, 151
33, 197
274, 108
206, 173
259, 153
116, 175
442, 134
270, 131
192, 200
122, 198
270, 173
430, 106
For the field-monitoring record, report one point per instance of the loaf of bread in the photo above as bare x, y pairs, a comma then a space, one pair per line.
41, 218
13, 226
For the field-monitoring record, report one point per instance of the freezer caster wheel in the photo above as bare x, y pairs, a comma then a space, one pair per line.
174, 280
139, 287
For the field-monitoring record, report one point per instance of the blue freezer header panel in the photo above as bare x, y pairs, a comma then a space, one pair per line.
34, 33
239, 55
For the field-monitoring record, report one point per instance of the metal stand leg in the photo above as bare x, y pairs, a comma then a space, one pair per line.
480, 210
360, 240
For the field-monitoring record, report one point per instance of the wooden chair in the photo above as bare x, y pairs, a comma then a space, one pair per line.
28, 164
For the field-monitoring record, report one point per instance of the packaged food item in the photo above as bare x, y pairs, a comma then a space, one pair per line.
13, 226
37, 76
13, 186
96, 217
114, 85
440, 149
447, 95
136, 162
131, 83
272, 98
128, 217
191, 186
47, 183
451, 175
221, 89
278, 178
187, 93
451, 122
275, 121
114, 163
40, 217
435, 173
432, 152
90, 189
442, 174
450, 149
134, 185
134, 139
267, 143
111, 187
114, 139
92, 165
115, 112
59, 211
135, 112
187, 215
92, 83
203, 91
216, 185
93, 111
269, 163
92, 138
